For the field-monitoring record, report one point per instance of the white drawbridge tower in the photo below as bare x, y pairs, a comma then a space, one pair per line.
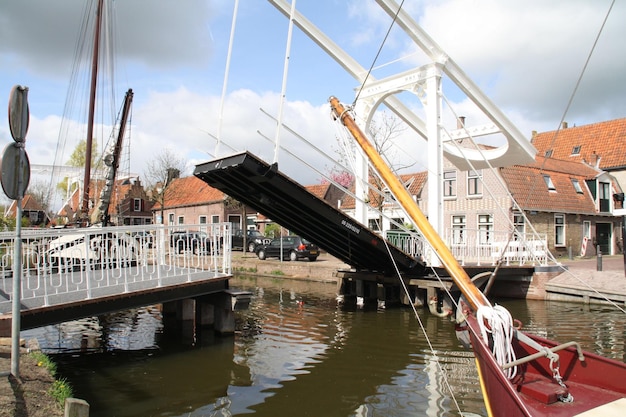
426, 83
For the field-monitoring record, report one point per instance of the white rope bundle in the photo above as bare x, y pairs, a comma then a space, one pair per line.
498, 321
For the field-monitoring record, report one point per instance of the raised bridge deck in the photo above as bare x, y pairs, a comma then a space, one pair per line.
262, 187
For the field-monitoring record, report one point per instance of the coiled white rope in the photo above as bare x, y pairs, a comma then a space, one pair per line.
498, 321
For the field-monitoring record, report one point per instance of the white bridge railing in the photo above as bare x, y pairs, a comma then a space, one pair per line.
480, 247
65, 265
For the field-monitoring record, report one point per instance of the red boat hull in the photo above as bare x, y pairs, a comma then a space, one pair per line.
593, 383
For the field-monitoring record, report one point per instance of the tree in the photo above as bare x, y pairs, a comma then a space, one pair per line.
160, 172
40, 191
77, 159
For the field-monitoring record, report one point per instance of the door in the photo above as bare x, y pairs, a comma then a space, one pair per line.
603, 237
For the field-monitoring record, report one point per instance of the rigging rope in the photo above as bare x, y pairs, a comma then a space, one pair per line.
498, 322
571, 98
369, 71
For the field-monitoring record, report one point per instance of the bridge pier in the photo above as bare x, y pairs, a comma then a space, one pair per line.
216, 310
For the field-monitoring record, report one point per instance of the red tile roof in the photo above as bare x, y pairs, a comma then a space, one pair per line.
604, 140
527, 186
189, 191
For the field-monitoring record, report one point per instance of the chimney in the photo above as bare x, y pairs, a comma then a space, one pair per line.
564, 125
460, 122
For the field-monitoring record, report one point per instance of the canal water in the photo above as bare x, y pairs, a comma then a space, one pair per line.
296, 352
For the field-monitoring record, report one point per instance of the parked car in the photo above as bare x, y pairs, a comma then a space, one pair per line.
292, 247
254, 238
197, 242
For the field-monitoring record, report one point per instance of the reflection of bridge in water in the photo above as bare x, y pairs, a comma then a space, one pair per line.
73, 273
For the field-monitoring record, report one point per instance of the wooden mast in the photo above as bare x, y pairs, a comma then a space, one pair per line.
458, 274
92, 104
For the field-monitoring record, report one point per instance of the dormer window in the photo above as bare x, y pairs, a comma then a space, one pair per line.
577, 186
549, 183
548, 153
576, 150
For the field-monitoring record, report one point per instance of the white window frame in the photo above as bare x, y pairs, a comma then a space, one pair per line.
485, 227
559, 230
577, 186
474, 183
202, 219
449, 184
519, 224
136, 204
181, 220
458, 230
587, 229
549, 183
215, 219
170, 218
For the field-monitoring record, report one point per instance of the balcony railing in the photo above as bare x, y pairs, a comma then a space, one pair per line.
480, 247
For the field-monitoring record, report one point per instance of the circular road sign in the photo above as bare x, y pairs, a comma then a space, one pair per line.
11, 169
18, 113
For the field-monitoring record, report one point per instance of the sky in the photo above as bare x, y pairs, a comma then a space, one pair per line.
527, 57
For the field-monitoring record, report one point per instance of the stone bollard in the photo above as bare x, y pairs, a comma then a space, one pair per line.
75, 407
599, 260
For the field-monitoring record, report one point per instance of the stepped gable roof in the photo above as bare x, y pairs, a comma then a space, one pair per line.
415, 183
189, 191
602, 144
527, 186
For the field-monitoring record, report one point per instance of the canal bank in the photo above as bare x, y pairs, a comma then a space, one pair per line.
583, 280
28, 396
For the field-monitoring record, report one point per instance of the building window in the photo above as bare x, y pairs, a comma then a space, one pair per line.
587, 229
449, 184
374, 225
181, 219
170, 218
604, 196
576, 150
577, 186
485, 226
458, 230
202, 220
396, 223
549, 183
519, 225
474, 185
548, 153
137, 204
559, 230
215, 219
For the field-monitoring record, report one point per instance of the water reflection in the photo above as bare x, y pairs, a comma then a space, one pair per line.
296, 352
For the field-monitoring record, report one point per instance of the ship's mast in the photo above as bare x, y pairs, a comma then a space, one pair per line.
457, 273
84, 213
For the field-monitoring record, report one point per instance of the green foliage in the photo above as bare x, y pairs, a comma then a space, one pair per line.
60, 389
277, 272
272, 231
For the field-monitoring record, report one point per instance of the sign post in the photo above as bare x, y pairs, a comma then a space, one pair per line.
15, 176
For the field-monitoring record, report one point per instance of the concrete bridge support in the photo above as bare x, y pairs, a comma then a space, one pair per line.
215, 310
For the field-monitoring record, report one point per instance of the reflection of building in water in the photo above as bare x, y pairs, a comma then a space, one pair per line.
134, 329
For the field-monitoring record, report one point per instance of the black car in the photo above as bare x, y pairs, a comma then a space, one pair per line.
197, 242
254, 238
292, 247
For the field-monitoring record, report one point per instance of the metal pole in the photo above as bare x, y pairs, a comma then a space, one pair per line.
17, 277
599, 259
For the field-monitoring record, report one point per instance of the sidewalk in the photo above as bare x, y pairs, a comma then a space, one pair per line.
583, 280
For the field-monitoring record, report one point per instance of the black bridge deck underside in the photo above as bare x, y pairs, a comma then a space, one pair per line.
261, 186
